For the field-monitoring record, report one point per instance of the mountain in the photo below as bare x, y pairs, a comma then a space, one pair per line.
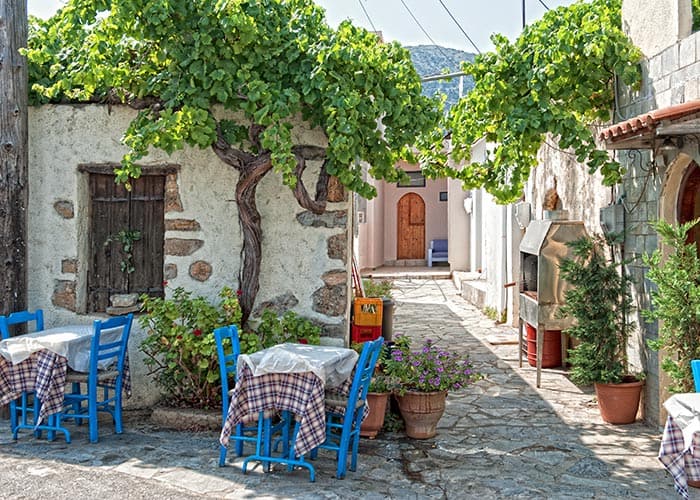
432, 60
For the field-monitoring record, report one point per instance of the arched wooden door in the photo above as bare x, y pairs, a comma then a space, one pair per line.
689, 202
411, 227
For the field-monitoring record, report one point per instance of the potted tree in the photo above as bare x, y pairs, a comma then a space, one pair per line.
676, 301
600, 302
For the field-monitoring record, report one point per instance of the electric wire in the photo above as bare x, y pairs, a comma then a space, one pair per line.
544, 5
425, 32
459, 26
367, 16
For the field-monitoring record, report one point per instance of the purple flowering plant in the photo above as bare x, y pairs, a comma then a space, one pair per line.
428, 368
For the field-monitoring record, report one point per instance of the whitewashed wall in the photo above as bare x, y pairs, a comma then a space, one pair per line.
294, 258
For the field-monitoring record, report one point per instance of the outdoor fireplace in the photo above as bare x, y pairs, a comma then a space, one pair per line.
541, 287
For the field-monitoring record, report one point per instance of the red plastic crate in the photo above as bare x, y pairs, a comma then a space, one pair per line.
361, 333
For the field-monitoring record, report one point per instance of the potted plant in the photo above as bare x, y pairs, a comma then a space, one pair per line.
421, 379
600, 302
676, 302
382, 289
377, 398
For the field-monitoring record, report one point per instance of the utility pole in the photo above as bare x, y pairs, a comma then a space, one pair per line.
523, 10
14, 156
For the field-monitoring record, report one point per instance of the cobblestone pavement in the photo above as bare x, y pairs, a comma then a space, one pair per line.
500, 438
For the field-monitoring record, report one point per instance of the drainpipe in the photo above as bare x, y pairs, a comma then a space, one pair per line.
504, 260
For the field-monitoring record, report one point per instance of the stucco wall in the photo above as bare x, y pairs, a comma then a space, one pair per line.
435, 213
294, 256
656, 24
370, 238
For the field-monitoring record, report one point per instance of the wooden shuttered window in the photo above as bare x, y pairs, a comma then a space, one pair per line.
115, 211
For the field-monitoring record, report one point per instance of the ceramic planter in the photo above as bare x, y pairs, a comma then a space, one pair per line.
372, 424
421, 412
618, 403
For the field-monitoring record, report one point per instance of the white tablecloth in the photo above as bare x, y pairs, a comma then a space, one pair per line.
685, 410
71, 341
333, 365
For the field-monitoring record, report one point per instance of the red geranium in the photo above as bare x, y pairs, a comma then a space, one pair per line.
197, 332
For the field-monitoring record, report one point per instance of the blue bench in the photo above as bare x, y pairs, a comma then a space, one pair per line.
437, 252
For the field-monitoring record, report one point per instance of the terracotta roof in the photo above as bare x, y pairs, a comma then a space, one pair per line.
639, 132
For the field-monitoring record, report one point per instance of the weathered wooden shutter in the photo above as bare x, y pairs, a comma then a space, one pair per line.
114, 209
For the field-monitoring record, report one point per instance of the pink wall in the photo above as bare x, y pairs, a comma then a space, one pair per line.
377, 238
370, 234
435, 212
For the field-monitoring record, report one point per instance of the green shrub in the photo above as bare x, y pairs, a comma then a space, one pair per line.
180, 348
290, 327
676, 302
381, 288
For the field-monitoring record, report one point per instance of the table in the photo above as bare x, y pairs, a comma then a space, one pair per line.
289, 377
39, 362
680, 445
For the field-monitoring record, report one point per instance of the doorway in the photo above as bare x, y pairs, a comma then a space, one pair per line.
411, 227
689, 202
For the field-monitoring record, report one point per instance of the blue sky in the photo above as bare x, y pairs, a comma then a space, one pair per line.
478, 18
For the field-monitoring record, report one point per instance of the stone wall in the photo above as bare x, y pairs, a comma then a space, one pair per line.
304, 256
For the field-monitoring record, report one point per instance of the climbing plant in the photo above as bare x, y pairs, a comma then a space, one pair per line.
558, 77
126, 238
190, 65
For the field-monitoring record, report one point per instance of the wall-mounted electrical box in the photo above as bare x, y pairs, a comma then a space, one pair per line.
612, 218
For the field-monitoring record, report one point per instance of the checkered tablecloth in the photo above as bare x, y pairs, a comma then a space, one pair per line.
300, 393
683, 462
303, 394
43, 372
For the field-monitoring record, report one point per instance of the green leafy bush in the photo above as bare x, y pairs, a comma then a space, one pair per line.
290, 327
377, 288
676, 301
180, 347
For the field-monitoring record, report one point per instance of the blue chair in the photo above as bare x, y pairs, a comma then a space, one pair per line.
437, 252
106, 382
695, 366
23, 409
226, 336
343, 428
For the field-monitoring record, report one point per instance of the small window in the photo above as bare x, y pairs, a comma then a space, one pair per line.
126, 238
415, 179
443, 195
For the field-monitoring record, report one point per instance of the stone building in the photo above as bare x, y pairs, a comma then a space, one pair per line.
192, 240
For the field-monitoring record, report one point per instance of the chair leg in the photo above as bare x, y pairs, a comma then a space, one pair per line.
222, 455
355, 441
92, 412
239, 442
117, 408
13, 415
77, 404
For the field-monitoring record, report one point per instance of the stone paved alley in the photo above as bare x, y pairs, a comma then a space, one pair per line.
500, 438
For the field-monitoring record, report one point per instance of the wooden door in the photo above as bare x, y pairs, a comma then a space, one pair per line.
115, 210
411, 227
689, 202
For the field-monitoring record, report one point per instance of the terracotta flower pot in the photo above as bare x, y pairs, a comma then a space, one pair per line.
374, 421
618, 403
421, 411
